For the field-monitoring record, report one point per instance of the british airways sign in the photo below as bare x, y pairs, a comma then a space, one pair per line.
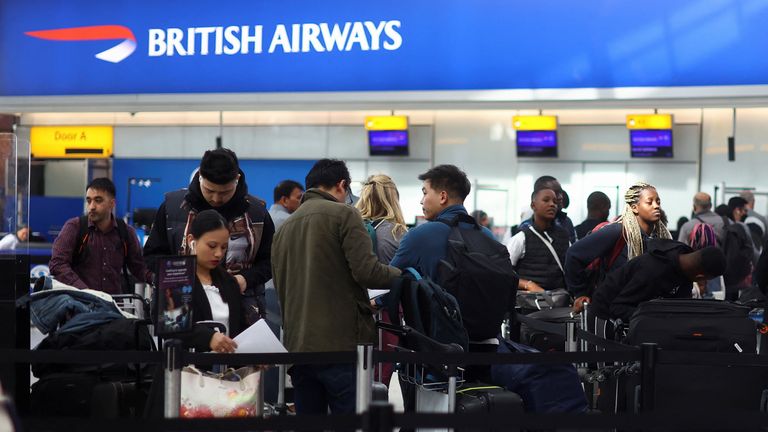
148, 47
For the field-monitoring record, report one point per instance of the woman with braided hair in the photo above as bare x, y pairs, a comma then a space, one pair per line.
616, 243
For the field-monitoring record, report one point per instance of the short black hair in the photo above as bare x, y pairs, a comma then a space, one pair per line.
736, 202
206, 221
219, 166
448, 178
710, 260
722, 210
597, 201
327, 173
536, 192
544, 182
285, 189
102, 184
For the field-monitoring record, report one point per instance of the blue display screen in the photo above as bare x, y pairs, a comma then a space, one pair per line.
651, 143
537, 143
388, 143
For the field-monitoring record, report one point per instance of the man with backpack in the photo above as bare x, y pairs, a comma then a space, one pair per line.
93, 250
738, 248
703, 214
464, 258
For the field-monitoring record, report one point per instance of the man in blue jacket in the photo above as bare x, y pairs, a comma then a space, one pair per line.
444, 189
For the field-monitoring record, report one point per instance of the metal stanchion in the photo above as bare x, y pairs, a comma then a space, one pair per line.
452, 372
281, 381
584, 325
172, 378
649, 355
571, 344
364, 377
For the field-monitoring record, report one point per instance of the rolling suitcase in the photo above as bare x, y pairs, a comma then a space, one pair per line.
694, 325
544, 341
479, 398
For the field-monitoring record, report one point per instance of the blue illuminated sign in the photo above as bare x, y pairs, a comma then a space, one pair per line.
150, 47
650, 143
536, 143
388, 143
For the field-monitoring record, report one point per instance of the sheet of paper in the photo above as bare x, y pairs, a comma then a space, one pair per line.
373, 293
258, 338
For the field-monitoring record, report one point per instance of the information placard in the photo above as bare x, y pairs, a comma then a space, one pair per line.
175, 282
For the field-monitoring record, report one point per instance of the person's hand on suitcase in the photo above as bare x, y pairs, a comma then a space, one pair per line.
222, 344
531, 286
578, 304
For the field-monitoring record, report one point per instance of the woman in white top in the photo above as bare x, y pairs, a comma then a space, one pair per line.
216, 292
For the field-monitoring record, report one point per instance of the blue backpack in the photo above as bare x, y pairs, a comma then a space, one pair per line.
545, 388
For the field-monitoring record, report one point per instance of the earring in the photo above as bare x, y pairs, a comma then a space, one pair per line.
192, 247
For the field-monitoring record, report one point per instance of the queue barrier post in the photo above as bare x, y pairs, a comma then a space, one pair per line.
172, 381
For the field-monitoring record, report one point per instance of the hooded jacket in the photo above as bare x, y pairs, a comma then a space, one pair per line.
655, 274
249, 224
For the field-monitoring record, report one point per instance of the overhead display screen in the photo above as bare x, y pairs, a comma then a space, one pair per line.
651, 143
388, 143
536, 143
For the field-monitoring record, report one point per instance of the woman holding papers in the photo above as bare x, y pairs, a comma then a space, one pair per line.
216, 294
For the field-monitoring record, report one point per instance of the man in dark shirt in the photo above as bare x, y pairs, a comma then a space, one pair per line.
668, 269
598, 209
101, 261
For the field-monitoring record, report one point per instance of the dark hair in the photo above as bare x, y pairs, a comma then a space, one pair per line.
722, 210
102, 184
543, 182
710, 261
479, 215
206, 221
597, 201
535, 192
566, 199
448, 178
219, 166
285, 189
327, 173
734, 203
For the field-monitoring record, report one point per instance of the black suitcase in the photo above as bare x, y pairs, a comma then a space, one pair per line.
116, 399
543, 341
63, 395
477, 398
694, 325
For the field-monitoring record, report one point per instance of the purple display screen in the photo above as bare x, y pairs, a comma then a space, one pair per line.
388, 143
537, 143
651, 143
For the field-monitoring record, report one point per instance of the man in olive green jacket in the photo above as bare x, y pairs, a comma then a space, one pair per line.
322, 263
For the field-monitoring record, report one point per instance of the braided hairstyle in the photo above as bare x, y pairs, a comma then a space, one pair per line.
631, 227
379, 199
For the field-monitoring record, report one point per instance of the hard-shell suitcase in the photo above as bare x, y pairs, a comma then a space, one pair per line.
694, 325
544, 341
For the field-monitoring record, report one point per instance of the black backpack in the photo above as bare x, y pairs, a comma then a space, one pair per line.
739, 252
478, 272
426, 308
80, 252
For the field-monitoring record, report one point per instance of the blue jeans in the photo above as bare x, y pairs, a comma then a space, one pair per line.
318, 387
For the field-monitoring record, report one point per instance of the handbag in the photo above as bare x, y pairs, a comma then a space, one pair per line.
534, 301
235, 393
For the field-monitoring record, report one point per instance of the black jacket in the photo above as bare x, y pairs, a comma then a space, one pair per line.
652, 275
165, 237
200, 338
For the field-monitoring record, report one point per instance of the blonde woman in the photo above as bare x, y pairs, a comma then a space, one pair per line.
615, 243
379, 203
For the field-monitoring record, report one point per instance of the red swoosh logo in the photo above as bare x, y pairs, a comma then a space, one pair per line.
89, 33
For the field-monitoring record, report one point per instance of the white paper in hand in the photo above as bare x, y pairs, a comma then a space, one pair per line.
373, 293
258, 338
